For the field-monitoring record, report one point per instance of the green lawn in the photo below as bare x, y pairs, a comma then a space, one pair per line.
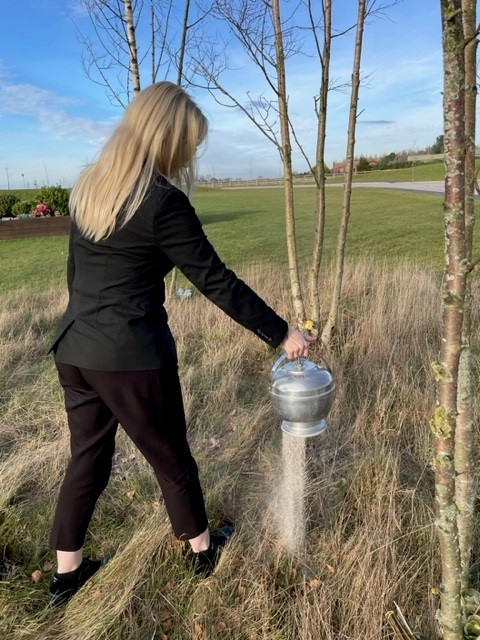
23, 194
247, 225
419, 173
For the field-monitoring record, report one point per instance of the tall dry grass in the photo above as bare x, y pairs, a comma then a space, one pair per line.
369, 493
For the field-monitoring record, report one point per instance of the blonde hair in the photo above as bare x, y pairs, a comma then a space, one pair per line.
160, 132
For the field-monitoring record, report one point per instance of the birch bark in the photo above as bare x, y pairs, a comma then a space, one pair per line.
286, 152
453, 298
347, 189
465, 468
314, 273
132, 46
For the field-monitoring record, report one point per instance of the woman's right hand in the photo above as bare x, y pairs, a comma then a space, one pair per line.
296, 344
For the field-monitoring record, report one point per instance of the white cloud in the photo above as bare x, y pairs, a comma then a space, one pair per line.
51, 112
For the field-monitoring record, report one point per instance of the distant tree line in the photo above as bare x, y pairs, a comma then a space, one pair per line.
393, 160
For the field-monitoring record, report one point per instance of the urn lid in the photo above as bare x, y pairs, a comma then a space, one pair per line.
301, 376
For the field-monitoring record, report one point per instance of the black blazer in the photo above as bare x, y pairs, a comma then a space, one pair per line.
115, 319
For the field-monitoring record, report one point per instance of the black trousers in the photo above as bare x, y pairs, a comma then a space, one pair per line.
149, 406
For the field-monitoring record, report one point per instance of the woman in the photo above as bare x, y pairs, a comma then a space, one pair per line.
113, 348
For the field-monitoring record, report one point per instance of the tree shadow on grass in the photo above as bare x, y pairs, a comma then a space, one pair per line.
228, 216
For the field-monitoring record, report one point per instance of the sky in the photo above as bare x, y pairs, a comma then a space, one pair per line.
54, 119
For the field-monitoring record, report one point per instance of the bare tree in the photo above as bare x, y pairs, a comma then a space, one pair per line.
347, 188
258, 26
132, 46
107, 55
465, 462
286, 154
183, 43
366, 9
319, 169
453, 296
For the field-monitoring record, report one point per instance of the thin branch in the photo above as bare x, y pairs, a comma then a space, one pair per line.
472, 265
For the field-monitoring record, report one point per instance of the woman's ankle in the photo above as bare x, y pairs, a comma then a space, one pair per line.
68, 561
201, 542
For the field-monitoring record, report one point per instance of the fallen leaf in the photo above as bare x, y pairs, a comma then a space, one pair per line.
330, 569
313, 584
170, 586
221, 626
48, 566
198, 630
37, 575
130, 495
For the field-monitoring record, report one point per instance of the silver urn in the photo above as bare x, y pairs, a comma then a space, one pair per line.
302, 393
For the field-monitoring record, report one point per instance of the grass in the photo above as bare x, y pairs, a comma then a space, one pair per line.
246, 224
23, 194
418, 173
369, 493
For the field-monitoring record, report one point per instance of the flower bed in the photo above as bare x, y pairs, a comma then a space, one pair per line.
36, 227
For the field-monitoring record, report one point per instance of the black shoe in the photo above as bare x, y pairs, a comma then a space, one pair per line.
65, 585
205, 562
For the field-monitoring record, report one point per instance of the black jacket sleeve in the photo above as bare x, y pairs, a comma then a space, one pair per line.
180, 236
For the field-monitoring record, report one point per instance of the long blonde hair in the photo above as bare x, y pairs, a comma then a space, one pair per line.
160, 132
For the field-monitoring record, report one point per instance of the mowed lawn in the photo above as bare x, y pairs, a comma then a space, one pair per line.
248, 226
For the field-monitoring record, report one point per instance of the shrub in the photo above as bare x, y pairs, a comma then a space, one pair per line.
363, 164
56, 198
7, 201
23, 207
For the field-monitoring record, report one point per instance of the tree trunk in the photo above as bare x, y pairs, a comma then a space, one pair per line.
453, 296
152, 43
287, 168
132, 45
465, 467
313, 277
347, 189
173, 277
183, 43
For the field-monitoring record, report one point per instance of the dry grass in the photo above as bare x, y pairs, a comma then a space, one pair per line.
369, 489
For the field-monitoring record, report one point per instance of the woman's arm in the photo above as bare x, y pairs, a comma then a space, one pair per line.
180, 236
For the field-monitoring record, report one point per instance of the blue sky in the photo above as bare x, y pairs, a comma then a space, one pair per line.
53, 119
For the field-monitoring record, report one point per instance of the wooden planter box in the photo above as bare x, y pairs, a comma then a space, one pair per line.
34, 228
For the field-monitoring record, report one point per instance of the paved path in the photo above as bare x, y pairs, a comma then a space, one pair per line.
436, 187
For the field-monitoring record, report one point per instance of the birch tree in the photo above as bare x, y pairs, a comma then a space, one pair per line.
347, 187
110, 56
465, 463
257, 25
323, 53
286, 154
132, 46
453, 299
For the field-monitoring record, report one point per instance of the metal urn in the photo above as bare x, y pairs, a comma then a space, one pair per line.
302, 393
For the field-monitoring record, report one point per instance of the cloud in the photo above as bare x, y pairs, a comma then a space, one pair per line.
375, 122
51, 111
